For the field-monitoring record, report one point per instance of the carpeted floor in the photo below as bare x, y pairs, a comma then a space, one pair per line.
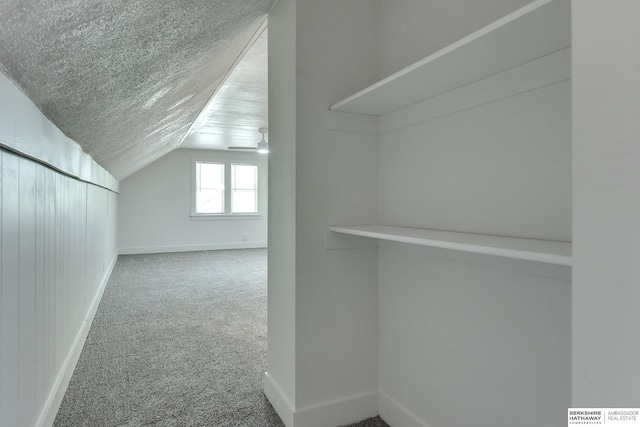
178, 340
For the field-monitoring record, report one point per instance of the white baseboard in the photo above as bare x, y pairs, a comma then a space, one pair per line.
278, 400
396, 414
50, 410
333, 413
190, 248
338, 412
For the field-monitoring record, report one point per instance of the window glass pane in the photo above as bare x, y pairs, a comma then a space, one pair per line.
210, 201
209, 188
244, 194
244, 177
244, 201
210, 175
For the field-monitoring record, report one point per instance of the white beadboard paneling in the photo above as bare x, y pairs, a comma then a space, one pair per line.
40, 285
49, 275
82, 248
1, 318
64, 374
58, 238
58, 260
27, 297
10, 291
45, 290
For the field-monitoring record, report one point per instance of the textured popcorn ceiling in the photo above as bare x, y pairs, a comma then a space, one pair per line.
125, 79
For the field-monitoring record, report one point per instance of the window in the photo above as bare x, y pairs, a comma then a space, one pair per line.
209, 188
224, 189
244, 188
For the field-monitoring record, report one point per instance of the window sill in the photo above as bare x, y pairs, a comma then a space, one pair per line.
224, 217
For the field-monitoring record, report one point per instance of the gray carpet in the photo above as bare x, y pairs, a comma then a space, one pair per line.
178, 340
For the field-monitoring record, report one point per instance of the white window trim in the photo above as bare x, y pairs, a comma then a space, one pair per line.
227, 215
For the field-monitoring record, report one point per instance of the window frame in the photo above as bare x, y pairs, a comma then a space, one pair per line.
194, 206
227, 215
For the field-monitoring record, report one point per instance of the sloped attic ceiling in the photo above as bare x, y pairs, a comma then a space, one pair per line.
124, 79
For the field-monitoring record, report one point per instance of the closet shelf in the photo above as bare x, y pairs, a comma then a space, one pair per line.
545, 251
540, 28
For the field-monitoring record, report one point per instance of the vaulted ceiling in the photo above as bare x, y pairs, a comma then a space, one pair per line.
124, 79
239, 107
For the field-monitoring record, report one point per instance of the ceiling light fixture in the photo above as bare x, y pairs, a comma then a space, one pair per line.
263, 147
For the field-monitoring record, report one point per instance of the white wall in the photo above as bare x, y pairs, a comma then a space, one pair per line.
336, 183
280, 380
57, 251
334, 296
471, 340
500, 168
422, 27
606, 203
461, 339
466, 342
155, 207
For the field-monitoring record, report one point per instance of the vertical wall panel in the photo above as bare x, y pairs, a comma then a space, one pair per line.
81, 211
51, 277
58, 237
64, 279
44, 291
10, 291
27, 294
57, 277
59, 262
93, 206
1, 346
40, 395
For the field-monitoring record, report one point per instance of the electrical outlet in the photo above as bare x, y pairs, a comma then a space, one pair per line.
244, 237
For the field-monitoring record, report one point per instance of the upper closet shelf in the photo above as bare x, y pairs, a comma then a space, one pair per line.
538, 29
546, 251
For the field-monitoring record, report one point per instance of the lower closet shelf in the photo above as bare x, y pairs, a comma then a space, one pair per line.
546, 251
